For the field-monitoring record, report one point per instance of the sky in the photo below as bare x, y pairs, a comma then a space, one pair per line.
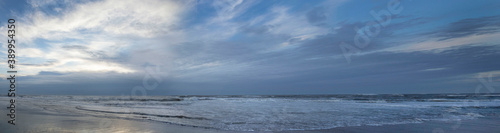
253, 47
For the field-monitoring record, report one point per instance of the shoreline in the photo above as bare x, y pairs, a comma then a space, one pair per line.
34, 121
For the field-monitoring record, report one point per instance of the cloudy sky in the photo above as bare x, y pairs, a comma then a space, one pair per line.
110, 47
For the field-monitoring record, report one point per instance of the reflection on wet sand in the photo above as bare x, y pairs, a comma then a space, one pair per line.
37, 122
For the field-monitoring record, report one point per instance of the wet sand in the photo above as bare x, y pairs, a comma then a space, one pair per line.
36, 122
39, 121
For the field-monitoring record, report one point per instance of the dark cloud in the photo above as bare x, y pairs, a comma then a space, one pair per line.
49, 73
47, 63
471, 26
317, 16
78, 47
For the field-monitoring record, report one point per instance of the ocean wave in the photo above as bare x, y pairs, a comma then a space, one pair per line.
144, 114
277, 113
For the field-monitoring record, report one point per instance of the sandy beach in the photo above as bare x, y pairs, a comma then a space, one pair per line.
34, 121
29, 121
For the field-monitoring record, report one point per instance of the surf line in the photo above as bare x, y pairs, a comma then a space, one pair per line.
11, 32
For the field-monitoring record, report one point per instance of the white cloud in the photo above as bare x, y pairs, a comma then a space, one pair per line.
436, 45
105, 27
221, 26
228, 9
143, 31
435, 69
203, 65
294, 24
117, 17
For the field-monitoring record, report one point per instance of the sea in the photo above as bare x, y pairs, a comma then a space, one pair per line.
275, 112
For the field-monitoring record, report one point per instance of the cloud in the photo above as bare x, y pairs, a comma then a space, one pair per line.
434, 69
89, 35
237, 44
144, 19
229, 9
245, 46
465, 32
280, 21
439, 45
316, 15
471, 26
